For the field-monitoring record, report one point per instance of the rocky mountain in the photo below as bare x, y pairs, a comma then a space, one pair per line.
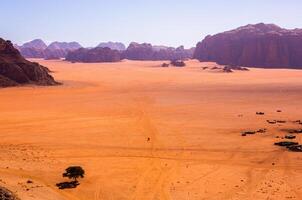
146, 51
38, 49
32, 49
60, 49
69, 46
15, 70
97, 54
31, 52
259, 45
113, 45
35, 44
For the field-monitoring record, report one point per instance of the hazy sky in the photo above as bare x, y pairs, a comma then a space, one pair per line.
166, 22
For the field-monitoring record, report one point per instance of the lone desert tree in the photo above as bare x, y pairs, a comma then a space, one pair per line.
74, 172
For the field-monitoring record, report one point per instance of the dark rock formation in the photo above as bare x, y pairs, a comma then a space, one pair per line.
14, 69
137, 51
295, 148
238, 68
290, 137
113, 45
6, 194
165, 65
146, 51
260, 113
178, 63
260, 45
286, 143
67, 185
227, 69
98, 54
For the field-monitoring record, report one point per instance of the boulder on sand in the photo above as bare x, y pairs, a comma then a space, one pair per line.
178, 63
290, 137
295, 148
286, 143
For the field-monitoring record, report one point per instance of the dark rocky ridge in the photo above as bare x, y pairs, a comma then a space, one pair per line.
97, 54
6, 194
259, 45
15, 70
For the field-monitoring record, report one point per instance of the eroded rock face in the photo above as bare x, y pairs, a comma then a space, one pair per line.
98, 54
14, 69
260, 45
137, 51
146, 51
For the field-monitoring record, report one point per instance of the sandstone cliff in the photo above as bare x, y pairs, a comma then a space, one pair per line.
260, 45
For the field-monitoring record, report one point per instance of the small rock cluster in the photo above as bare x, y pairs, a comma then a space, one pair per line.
290, 145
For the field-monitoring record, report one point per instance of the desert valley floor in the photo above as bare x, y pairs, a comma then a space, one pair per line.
145, 132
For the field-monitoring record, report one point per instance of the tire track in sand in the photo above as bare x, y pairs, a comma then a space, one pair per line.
154, 180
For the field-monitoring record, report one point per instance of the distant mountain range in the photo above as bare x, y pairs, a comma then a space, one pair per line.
253, 45
38, 49
73, 51
135, 51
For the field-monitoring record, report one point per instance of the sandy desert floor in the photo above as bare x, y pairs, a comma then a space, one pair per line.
144, 132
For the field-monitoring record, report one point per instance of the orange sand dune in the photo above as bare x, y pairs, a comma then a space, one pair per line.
103, 115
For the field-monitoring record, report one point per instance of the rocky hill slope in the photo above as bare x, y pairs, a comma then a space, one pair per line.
15, 70
259, 45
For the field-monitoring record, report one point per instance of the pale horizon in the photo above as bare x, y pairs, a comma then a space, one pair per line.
173, 23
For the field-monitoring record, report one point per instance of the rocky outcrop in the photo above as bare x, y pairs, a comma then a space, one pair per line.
15, 70
146, 51
171, 53
113, 45
6, 194
259, 45
98, 54
137, 51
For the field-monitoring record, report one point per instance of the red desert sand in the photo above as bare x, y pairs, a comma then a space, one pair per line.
145, 132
